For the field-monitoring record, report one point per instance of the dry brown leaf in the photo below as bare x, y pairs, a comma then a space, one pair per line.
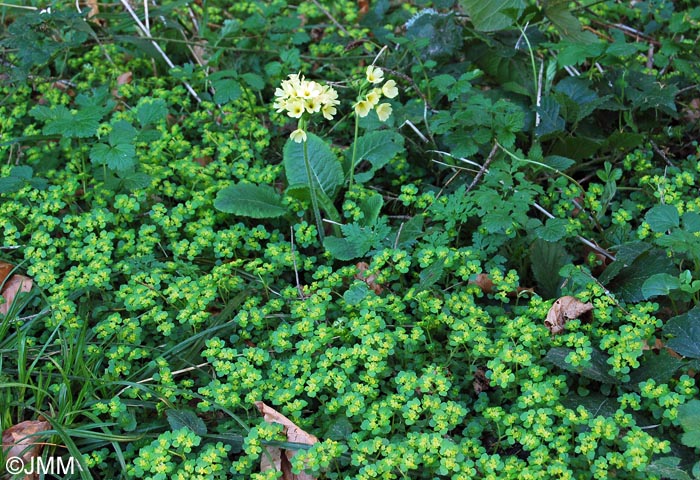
294, 434
125, 78
5, 269
692, 112
16, 284
94, 8
362, 267
481, 383
484, 282
20, 441
565, 309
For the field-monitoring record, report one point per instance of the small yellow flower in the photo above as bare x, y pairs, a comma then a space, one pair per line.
383, 111
373, 97
298, 135
375, 75
362, 108
389, 89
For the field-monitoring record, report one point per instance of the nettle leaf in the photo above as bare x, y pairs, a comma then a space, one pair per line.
553, 230
660, 284
550, 120
492, 15
662, 218
686, 333
248, 200
326, 171
151, 110
667, 468
689, 418
116, 157
186, 418
568, 26
226, 90
377, 148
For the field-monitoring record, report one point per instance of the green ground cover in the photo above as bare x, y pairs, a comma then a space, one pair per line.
466, 244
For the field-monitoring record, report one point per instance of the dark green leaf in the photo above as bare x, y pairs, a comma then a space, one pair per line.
378, 148
685, 330
558, 12
410, 232
226, 90
658, 366
186, 418
597, 368
255, 201
254, 81
628, 281
550, 120
554, 230
122, 133
546, 259
116, 157
341, 429
371, 206
341, 248
434, 34
356, 293
431, 275
595, 403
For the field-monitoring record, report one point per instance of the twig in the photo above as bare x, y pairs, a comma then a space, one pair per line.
661, 153
167, 60
484, 167
175, 373
331, 18
539, 93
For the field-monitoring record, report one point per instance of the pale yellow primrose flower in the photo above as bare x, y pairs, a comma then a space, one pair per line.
373, 97
383, 111
297, 96
389, 89
375, 75
362, 108
298, 135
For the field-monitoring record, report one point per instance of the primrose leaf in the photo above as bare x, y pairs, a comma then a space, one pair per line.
662, 218
326, 171
248, 200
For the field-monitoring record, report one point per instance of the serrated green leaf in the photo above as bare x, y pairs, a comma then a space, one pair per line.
492, 15
628, 280
254, 81
596, 404
557, 11
659, 284
553, 230
186, 418
558, 162
435, 35
431, 275
550, 120
667, 468
226, 90
326, 172
546, 259
61, 121
341, 249
122, 133
411, 231
248, 200
377, 148
686, 333
356, 293
135, 180
691, 222
11, 184
689, 419
662, 218
151, 110
116, 157
341, 429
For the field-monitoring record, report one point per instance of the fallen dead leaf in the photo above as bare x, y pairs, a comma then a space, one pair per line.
125, 78
5, 269
692, 112
16, 284
481, 383
484, 282
282, 462
565, 309
362, 267
21, 441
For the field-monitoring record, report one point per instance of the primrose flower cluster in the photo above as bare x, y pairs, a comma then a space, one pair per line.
375, 76
298, 96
